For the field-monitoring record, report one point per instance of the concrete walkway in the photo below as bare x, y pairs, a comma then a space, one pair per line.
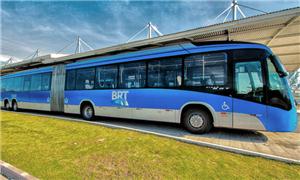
279, 144
284, 145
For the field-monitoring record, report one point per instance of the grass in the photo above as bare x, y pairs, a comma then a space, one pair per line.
50, 148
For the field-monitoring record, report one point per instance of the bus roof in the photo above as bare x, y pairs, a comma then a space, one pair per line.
168, 51
28, 72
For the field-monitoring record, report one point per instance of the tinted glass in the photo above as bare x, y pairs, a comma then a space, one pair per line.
132, 75
249, 54
18, 83
206, 70
165, 73
13, 84
277, 88
3, 85
249, 81
36, 82
85, 78
10, 84
46, 81
70, 79
27, 82
107, 77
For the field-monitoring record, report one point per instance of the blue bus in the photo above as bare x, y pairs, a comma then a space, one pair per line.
199, 85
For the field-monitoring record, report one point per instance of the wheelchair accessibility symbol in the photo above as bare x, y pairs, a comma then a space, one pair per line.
225, 106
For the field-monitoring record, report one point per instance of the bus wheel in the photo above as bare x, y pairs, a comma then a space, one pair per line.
87, 112
14, 106
6, 105
197, 121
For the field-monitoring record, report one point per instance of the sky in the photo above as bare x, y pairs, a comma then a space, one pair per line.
51, 25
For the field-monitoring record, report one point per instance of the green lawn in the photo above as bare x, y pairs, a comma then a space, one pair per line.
49, 148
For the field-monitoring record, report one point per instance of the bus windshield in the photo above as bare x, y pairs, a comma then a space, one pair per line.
278, 66
278, 92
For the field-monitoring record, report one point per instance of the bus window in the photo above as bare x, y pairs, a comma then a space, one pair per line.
85, 78
3, 85
70, 79
27, 81
132, 75
206, 70
36, 82
277, 88
18, 84
248, 54
46, 81
248, 81
107, 77
215, 69
10, 83
165, 73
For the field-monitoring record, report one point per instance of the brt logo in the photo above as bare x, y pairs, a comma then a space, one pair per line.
119, 98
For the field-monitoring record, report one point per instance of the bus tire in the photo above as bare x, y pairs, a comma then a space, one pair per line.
197, 121
14, 106
6, 105
87, 112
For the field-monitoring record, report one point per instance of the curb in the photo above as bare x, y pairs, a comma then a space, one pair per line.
11, 172
201, 143
185, 140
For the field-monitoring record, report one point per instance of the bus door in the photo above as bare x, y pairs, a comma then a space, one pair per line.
249, 109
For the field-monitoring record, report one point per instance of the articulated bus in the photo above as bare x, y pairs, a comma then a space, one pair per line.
219, 84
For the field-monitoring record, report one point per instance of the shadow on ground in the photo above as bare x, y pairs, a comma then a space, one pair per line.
171, 128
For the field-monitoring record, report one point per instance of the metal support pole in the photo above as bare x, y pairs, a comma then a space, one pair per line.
226, 15
79, 44
37, 52
77, 50
234, 4
150, 30
234, 7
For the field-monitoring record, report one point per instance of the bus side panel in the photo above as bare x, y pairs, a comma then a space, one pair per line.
57, 88
22, 98
149, 104
281, 120
249, 115
37, 100
4, 96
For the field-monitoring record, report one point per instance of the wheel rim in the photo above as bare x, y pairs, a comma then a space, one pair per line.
88, 112
14, 106
196, 120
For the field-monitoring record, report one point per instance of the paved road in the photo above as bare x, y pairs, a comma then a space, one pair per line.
285, 145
